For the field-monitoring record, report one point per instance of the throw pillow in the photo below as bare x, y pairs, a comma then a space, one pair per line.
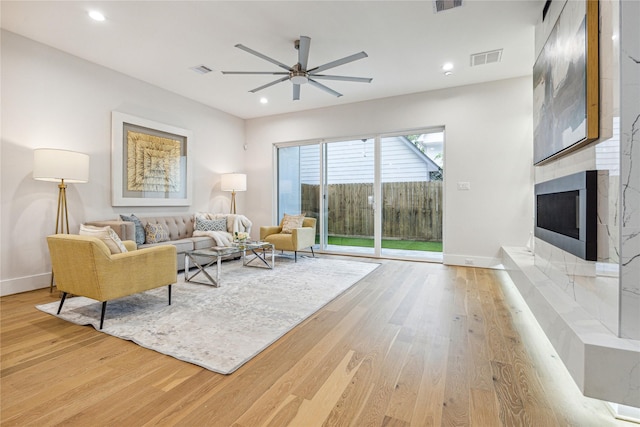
107, 235
140, 235
156, 233
289, 222
211, 224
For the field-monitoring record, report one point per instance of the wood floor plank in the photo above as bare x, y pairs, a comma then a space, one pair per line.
412, 344
313, 412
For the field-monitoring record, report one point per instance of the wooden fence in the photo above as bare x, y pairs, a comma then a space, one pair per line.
410, 210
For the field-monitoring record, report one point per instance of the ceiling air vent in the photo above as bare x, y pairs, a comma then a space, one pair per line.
442, 5
486, 57
201, 69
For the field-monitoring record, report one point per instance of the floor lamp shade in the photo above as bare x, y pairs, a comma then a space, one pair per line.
57, 165
233, 182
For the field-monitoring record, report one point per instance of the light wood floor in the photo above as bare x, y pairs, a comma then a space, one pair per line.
413, 344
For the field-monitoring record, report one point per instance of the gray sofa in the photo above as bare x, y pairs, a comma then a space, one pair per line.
180, 228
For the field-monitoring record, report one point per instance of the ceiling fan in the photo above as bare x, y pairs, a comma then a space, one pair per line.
299, 74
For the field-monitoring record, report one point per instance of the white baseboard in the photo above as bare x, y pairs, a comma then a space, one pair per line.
473, 261
24, 284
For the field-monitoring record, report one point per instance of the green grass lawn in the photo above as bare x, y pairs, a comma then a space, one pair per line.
411, 245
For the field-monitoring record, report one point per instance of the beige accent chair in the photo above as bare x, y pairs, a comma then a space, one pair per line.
299, 238
84, 266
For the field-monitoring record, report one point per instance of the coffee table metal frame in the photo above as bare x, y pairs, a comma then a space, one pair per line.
259, 251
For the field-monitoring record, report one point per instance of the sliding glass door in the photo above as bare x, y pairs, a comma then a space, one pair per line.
349, 203
375, 196
411, 194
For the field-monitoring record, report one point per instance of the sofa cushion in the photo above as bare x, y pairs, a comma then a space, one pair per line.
140, 234
202, 242
179, 226
181, 245
156, 233
107, 235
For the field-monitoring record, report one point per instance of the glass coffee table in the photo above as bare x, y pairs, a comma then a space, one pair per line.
257, 257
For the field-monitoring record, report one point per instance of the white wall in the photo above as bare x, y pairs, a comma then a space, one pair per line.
52, 99
488, 131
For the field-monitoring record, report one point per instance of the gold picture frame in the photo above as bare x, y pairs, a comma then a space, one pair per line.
566, 104
151, 162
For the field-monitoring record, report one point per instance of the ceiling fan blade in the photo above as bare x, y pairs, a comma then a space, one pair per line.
273, 73
266, 58
338, 62
342, 78
296, 92
324, 88
303, 51
269, 84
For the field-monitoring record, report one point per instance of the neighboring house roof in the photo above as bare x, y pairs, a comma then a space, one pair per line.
352, 161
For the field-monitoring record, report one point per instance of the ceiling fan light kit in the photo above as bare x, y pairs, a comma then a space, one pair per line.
298, 74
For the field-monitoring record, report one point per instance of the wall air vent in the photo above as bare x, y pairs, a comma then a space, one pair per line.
442, 5
201, 69
486, 57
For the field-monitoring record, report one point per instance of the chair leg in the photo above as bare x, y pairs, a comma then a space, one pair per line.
104, 309
169, 294
312, 253
64, 296
295, 256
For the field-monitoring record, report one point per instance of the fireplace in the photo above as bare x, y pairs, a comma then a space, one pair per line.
566, 213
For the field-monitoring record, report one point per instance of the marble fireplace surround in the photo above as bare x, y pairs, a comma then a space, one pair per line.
590, 310
602, 365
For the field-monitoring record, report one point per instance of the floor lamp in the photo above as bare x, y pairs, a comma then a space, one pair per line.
233, 182
61, 166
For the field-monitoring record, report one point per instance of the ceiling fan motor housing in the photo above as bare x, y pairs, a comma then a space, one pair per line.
298, 76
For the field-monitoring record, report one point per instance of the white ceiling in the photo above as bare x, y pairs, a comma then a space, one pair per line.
407, 43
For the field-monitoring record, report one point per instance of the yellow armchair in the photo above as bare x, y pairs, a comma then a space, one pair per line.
84, 266
300, 238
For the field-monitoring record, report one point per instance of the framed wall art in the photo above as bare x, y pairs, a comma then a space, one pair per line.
151, 163
566, 84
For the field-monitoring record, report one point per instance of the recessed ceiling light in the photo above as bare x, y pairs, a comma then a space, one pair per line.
263, 100
447, 66
96, 16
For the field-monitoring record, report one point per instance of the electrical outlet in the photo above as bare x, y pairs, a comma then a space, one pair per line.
468, 261
463, 185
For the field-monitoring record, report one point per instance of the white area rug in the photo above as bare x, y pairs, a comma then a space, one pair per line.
221, 328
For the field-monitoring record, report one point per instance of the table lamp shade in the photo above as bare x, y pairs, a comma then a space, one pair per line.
233, 182
55, 165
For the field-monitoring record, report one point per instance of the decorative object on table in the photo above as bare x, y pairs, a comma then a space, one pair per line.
240, 236
151, 163
233, 182
222, 328
566, 84
291, 238
63, 167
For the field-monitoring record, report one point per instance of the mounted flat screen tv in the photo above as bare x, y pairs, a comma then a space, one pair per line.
565, 84
567, 213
